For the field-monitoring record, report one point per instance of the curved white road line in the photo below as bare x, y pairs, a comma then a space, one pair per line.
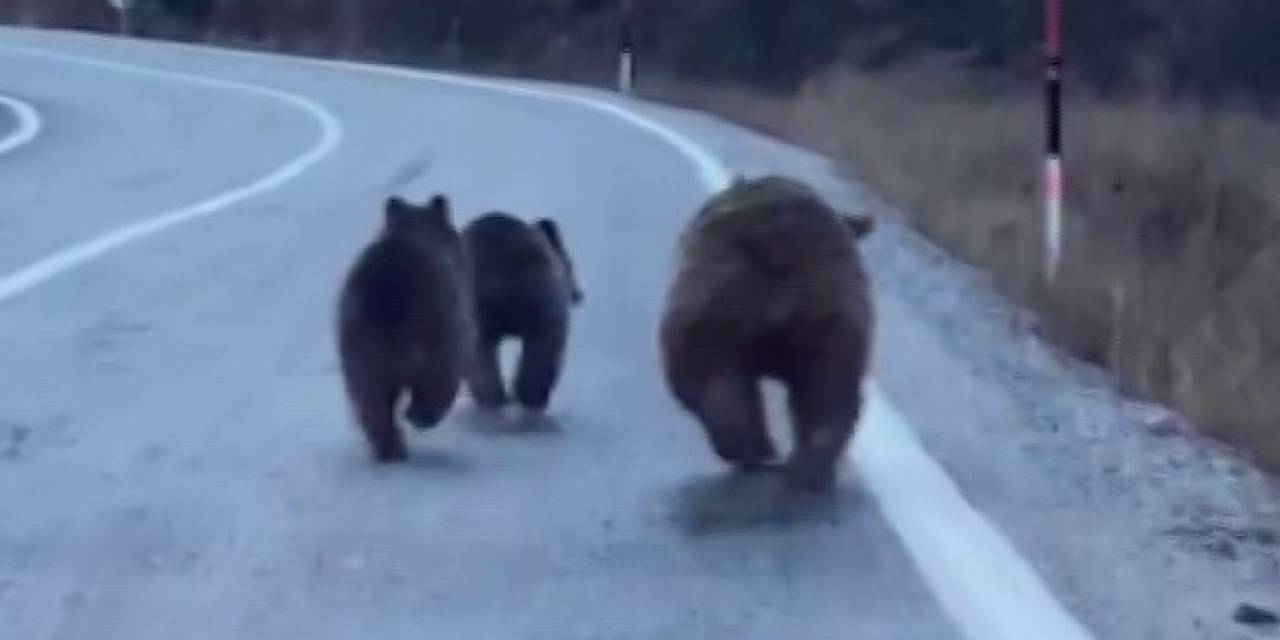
29, 124
986, 586
331, 134
711, 172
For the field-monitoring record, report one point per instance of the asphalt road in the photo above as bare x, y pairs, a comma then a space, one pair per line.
176, 456
8, 122
183, 454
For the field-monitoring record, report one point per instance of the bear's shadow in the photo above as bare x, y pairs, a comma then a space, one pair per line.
508, 421
421, 459
435, 460
733, 501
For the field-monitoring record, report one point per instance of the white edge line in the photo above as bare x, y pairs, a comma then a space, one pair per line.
331, 134
983, 582
29, 124
711, 172
980, 578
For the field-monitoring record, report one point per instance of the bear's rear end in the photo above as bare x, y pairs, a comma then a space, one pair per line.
769, 285
524, 289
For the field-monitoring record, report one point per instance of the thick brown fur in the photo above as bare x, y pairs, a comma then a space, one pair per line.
525, 286
770, 285
405, 324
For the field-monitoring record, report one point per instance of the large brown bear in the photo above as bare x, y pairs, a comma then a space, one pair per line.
770, 285
524, 288
405, 324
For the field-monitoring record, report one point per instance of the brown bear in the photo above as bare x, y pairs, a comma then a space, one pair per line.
405, 323
524, 288
770, 285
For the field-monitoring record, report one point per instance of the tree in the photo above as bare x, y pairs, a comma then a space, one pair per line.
193, 12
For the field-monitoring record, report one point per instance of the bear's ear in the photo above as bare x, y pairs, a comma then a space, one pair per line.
548, 228
860, 225
396, 211
438, 208
551, 231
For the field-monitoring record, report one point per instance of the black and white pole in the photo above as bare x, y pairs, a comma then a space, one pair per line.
626, 51
1053, 182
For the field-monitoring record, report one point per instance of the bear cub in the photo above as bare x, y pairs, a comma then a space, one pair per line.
405, 324
524, 289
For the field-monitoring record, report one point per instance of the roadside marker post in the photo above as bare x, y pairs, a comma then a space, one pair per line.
122, 14
626, 51
1053, 180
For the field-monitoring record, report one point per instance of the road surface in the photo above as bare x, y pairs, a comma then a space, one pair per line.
177, 460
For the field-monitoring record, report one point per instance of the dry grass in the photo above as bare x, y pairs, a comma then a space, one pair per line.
1171, 271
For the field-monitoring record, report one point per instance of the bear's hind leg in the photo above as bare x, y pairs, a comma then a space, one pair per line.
824, 411
732, 413
432, 394
373, 398
541, 359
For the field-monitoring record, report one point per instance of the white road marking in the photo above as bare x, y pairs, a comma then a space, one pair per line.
711, 172
986, 586
331, 134
29, 124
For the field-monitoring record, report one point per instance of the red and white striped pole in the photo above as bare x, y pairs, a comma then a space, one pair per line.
1053, 185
